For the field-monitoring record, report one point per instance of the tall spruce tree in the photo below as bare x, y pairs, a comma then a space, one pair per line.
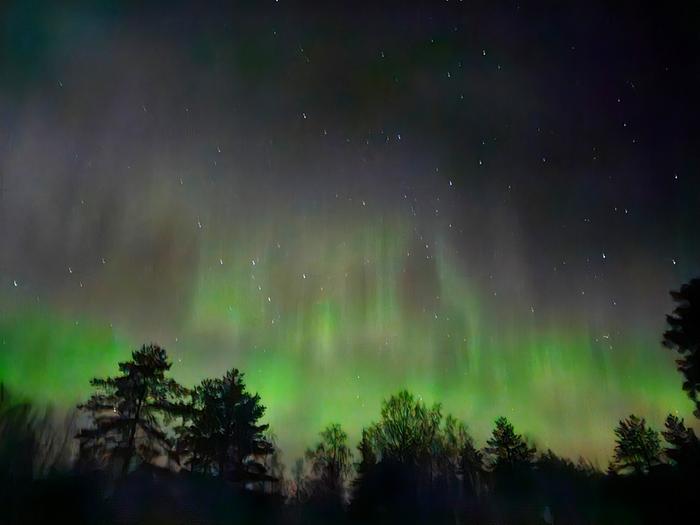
506, 449
221, 434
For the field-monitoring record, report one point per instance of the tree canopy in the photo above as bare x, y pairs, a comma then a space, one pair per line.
505, 448
407, 429
684, 446
637, 447
221, 433
331, 461
683, 336
127, 411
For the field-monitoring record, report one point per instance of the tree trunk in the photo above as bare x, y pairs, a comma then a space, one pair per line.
132, 439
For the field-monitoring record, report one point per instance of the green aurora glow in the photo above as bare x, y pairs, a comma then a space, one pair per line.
327, 326
480, 203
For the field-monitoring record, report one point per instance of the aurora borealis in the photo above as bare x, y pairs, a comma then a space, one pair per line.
480, 203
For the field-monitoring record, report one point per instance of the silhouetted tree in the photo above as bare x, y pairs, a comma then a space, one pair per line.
407, 429
637, 447
300, 485
128, 410
510, 458
448, 446
363, 489
684, 446
18, 441
32, 441
456, 472
471, 466
221, 434
274, 465
367, 456
683, 336
330, 462
505, 448
34, 487
454, 454
564, 489
412, 463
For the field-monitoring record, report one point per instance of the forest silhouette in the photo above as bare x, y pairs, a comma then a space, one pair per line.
145, 449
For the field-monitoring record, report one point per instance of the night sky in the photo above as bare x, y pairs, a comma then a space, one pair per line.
484, 202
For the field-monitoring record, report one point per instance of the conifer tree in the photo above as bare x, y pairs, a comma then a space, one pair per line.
637, 447
128, 411
505, 448
684, 446
683, 336
222, 435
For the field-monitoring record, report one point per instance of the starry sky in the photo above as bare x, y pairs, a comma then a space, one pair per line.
484, 202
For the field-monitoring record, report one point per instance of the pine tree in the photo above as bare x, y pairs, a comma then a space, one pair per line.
637, 447
683, 336
684, 449
128, 411
506, 449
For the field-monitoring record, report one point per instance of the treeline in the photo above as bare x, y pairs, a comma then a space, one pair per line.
149, 450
